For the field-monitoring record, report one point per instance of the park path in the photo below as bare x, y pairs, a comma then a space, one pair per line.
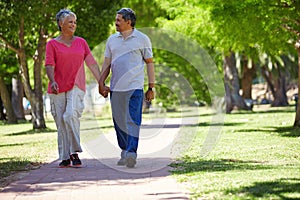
101, 178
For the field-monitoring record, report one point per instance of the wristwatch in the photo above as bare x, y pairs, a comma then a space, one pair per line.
150, 88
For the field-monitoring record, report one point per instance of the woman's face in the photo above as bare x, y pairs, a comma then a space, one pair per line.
68, 26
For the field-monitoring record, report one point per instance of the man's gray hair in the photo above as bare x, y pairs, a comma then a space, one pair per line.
128, 14
61, 16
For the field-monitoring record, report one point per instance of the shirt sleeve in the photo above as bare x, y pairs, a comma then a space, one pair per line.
147, 50
107, 52
88, 56
50, 54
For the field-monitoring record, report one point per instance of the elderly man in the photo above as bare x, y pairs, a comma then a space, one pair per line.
125, 54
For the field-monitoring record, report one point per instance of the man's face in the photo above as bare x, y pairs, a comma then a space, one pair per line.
121, 24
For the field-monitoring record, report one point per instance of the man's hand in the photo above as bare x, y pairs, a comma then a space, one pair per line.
103, 90
149, 96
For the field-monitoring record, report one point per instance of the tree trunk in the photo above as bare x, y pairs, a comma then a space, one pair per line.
2, 115
17, 98
232, 86
228, 99
276, 85
38, 63
280, 98
297, 118
34, 96
11, 117
247, 78
268, 77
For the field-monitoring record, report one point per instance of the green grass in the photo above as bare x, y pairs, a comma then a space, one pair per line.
256, 157
23, 149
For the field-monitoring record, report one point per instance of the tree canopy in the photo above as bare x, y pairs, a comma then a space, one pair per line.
252, 28
25, 27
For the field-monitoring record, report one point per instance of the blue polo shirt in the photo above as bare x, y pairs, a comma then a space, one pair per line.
127, 60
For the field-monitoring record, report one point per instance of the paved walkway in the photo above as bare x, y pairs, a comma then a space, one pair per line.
101, 178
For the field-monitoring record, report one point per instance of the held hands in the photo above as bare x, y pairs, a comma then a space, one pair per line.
149, 95
103, 90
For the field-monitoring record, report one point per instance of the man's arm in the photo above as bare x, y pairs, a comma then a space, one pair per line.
151, 79
104, 90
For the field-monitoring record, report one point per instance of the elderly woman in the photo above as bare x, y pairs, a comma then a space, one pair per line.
65, 57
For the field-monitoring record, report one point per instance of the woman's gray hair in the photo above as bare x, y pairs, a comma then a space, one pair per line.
128, 14
61, 16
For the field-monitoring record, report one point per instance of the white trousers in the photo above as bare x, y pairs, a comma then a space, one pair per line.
66, 109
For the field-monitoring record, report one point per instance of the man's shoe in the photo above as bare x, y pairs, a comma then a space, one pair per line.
121, 162
65, 163
130, 161
75, 160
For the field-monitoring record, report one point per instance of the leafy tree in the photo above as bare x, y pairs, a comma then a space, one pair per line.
193, 19
171, 69
252, 27
11, 85
276, 31
25, 27
261, 35
8, 68
146, 12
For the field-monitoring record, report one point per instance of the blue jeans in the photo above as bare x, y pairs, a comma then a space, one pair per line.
127, 117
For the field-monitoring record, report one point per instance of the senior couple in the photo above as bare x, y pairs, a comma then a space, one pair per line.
126, 53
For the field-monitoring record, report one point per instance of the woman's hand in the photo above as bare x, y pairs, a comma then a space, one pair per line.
54, 87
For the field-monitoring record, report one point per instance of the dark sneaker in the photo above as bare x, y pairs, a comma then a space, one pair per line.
122, 162
130, 162
65, 163
75, 160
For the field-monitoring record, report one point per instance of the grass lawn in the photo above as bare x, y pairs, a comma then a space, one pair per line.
23, 149
256, 157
